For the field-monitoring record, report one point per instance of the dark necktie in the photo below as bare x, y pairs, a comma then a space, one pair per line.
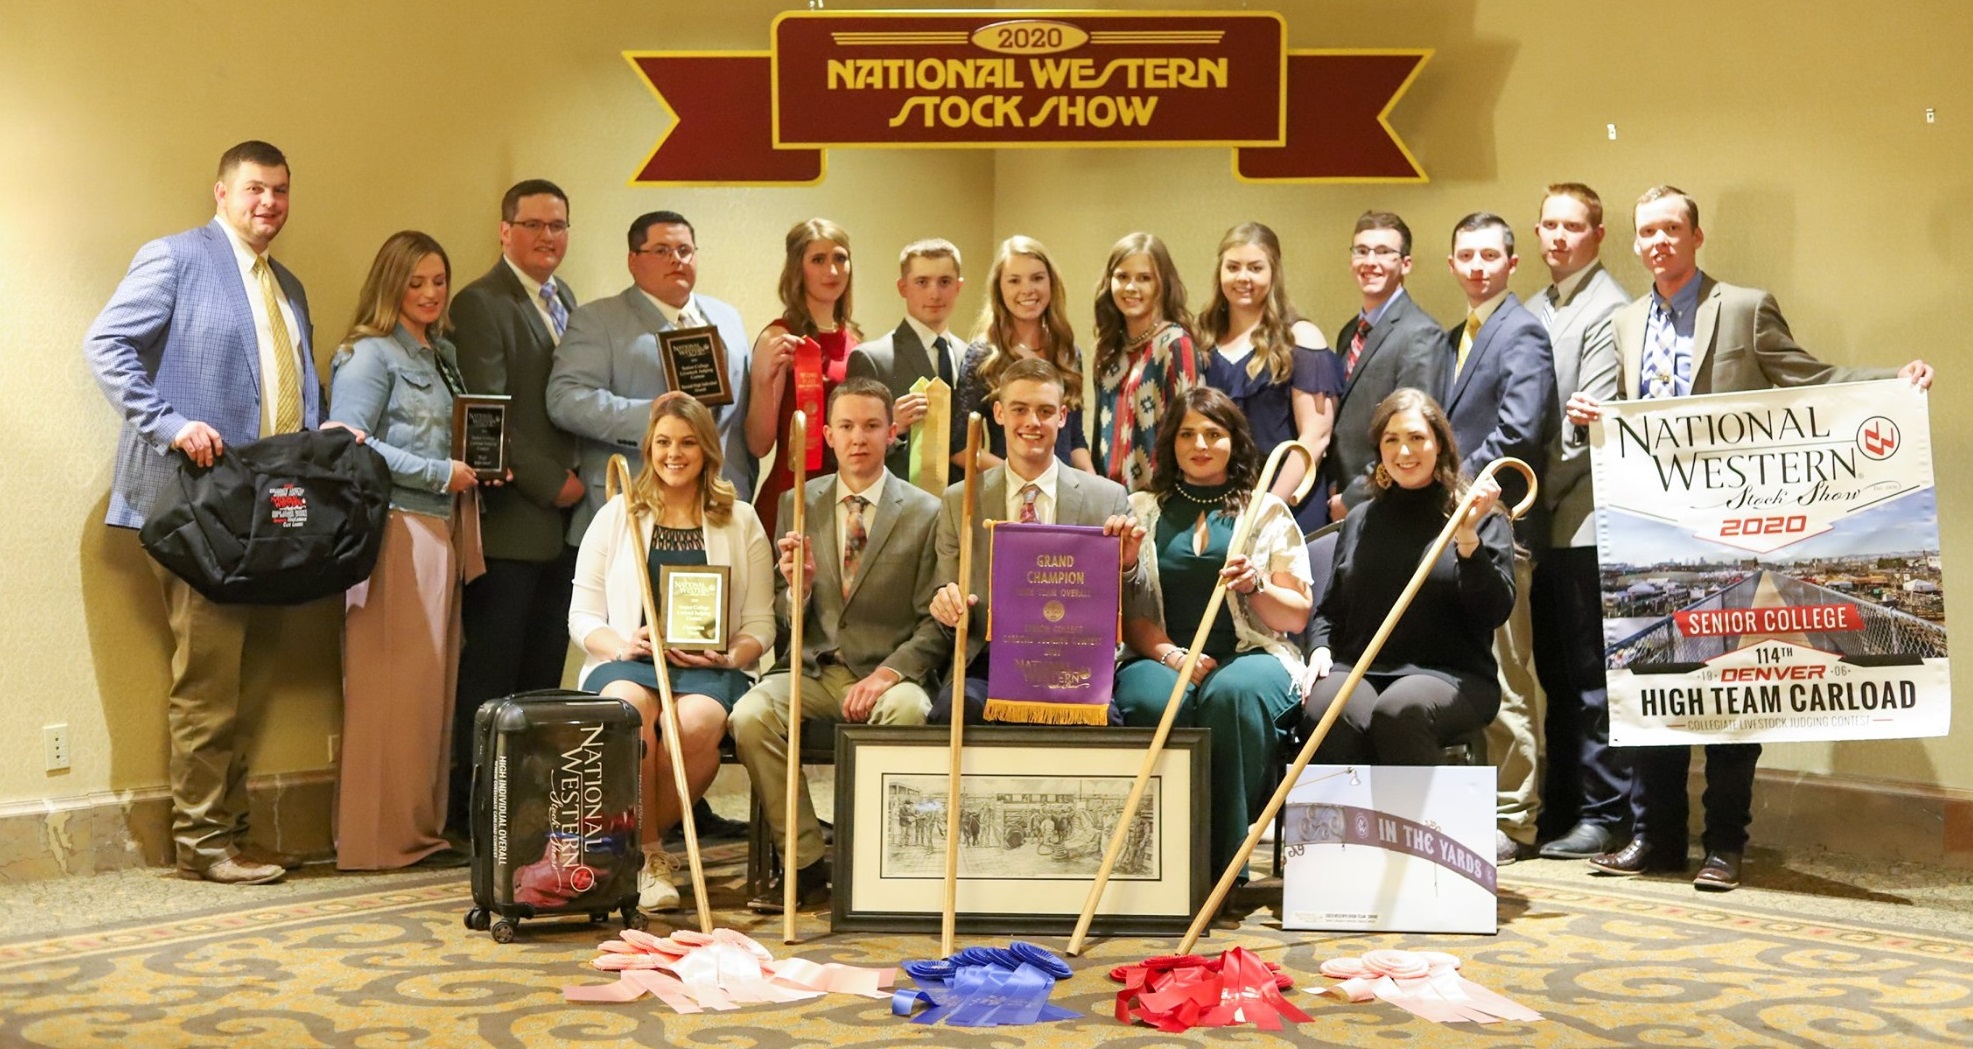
944, 362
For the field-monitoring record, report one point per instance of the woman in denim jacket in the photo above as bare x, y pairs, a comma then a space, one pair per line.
394, 378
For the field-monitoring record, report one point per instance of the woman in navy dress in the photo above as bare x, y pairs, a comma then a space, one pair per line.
1274, 364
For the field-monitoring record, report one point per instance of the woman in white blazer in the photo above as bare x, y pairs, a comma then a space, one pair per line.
687, 514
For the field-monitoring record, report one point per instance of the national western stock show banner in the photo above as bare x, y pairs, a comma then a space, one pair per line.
1770, 567
1008, 79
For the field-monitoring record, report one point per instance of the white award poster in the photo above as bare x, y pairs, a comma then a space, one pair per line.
1770, 567
1392, 848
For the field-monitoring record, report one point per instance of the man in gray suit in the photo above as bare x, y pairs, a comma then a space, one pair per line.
923, 346
869, 650
1692, 335
505, 326
1390, 344
1029, 409
1585, 784
207, 343
606, 371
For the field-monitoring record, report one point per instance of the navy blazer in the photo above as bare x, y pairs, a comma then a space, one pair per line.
1503, 402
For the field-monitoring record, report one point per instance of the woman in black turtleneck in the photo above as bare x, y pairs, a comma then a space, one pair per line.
1434, 679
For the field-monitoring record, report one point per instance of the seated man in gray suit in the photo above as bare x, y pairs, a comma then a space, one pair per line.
923, 346
606, 371
1029, 408
868, 649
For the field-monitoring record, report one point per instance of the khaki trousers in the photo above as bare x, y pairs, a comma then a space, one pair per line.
1514, 740
760, 738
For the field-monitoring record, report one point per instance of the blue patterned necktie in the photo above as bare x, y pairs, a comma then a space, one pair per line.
1663, 374
557, 312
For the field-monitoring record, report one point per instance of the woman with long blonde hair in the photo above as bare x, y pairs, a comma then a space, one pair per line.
815, 304
1273, 363
394, 378
1144, 355
1025, 315
686, 514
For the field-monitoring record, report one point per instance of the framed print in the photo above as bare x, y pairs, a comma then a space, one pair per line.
1038, 806
479, 432
694, 608
694, 361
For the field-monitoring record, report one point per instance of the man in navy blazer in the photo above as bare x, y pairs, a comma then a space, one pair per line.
1500, 397
607, 373
206, 344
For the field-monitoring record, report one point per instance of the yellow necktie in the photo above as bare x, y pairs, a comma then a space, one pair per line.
286, 415
1466, 343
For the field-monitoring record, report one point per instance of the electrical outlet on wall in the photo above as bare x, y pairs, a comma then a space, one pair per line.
55, 745
335, 747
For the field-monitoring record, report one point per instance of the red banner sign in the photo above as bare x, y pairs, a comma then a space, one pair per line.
1001, 79
1776, 619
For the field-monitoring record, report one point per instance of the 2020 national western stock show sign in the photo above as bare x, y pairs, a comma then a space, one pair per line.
1003, 79
1770, 567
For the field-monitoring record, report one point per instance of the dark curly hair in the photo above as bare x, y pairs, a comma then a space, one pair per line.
1243, 466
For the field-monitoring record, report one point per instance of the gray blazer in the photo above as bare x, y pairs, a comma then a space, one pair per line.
1080, 499
505, 347
606, 374
886, 619
1405, 348
1740, 342
897, 360
1585, 360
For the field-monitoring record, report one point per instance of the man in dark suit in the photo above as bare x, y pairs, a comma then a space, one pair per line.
1585, 796
1390, 344
870, 651
1029, 409
206, 344
1500, 398
923, 346
1692, 335
505, 326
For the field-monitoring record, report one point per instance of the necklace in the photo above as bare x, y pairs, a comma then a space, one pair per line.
1138, 340
1208, 497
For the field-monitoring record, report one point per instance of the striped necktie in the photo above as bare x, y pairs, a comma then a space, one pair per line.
1028, 513
557, 312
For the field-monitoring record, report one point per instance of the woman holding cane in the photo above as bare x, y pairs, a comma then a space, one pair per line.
1244, 684
687, 515
1434, 679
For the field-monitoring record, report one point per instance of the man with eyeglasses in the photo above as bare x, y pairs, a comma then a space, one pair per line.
1391, 343
1692, 334
505, 326
607, 373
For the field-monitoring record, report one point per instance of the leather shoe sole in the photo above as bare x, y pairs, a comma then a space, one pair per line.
1720, 872
234, 871
1583, 841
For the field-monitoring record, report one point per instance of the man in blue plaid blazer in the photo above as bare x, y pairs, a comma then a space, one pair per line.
206, 345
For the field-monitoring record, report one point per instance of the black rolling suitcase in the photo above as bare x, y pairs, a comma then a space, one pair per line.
555, 810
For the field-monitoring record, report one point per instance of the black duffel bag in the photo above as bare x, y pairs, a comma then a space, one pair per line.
280, 521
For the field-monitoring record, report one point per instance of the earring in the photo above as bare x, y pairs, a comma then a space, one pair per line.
1382, 476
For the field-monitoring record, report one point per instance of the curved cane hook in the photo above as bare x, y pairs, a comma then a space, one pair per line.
1534, 484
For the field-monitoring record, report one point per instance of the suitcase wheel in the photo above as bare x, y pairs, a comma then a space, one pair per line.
599, 917
503, 931
477, 919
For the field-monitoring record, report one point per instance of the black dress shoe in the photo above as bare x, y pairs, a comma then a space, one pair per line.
1638, 857
811, 888
710, 825
444, 859
1583, 841
1720, 872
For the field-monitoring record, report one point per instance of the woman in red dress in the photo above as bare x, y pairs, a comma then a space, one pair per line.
815, 304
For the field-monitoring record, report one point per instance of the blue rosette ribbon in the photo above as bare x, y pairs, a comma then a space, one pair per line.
985, 987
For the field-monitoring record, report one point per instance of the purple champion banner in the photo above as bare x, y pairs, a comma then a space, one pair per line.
1350, 825
1053, 616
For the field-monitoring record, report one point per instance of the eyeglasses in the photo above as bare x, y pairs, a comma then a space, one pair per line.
538, 227
1379, 252
683, 252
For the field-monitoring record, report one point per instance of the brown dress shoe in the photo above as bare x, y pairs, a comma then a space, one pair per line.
1720, 872
1638, 857
811, 888
235, 871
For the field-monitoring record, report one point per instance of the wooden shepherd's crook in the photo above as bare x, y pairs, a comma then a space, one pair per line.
1241, 529
1266, 818
797, 611
618, 478
948, 917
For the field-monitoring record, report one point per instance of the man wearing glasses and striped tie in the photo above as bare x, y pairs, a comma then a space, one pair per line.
506, 325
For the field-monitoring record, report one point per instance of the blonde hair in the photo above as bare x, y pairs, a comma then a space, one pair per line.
1274, 343
381, 302
1110, 329
716, 493
794, 291
996, 325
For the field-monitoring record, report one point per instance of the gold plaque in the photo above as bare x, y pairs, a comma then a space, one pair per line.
695, 606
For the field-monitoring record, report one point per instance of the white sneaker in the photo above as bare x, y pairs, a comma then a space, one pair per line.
655, 891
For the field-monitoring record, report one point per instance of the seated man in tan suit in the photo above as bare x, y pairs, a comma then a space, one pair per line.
869, 649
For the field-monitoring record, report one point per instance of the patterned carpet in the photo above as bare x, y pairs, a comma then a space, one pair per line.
390, 966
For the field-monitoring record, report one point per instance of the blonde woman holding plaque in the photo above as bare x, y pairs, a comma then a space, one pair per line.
685, 514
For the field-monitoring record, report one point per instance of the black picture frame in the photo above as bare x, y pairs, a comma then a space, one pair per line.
479, 432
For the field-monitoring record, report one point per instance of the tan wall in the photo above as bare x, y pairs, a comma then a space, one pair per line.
1798, 125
